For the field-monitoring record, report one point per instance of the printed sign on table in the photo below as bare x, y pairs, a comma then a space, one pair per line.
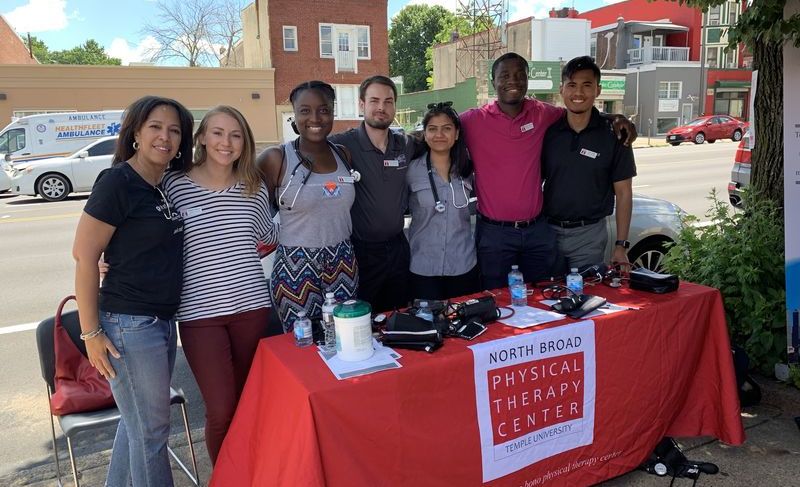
535, 396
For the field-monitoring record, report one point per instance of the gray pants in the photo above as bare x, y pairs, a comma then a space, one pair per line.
579, 247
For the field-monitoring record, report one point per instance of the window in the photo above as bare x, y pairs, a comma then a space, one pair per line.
714, 14
733, 13
637, 42
346, 102
198, 115
713, 36
658, 41
12, 141
104, 148
730, 58
664, 125
593, 47
341, 37
363, 43
669, 90
325, 40
289, 38
712, 57
730, 103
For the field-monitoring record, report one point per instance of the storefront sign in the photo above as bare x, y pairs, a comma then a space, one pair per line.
535, 396
543, 77
669, 105
612, 86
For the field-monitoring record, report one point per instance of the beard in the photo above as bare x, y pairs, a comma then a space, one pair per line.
376, 124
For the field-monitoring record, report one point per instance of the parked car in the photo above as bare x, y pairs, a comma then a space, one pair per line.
5, 181
709, 128
740, 174
55, 178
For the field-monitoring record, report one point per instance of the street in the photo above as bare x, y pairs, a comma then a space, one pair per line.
38, 271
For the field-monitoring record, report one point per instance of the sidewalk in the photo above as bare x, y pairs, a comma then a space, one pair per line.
769, 457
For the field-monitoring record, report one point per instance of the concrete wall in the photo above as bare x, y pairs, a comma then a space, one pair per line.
649, 110
255, 37
82, 88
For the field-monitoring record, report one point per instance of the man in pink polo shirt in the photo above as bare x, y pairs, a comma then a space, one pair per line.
505, 142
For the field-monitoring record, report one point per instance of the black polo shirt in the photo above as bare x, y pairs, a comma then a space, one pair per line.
580, 169
382, 193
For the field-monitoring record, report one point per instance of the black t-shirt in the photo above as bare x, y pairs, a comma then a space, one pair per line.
145, 254
382, 193
580, 169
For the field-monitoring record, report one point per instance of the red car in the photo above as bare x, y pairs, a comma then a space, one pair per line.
708, 128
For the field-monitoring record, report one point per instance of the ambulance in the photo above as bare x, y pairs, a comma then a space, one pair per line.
54, 134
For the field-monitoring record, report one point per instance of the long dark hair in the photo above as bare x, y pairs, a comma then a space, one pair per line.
136, 115
460, 163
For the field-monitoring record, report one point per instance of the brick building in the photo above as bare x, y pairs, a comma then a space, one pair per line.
337, 41
13, 50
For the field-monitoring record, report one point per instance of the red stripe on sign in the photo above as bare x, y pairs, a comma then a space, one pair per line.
529, 396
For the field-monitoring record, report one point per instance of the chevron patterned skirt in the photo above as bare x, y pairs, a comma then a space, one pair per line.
302, 275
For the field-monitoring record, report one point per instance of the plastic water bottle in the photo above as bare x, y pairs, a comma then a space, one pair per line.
303, 336
327, 321
424, 311
517, 288
575, 281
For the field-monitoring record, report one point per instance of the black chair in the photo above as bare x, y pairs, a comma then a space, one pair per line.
74, 424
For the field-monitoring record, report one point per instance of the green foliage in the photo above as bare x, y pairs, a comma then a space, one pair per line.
794, 375
742, 255
412, 32
90, 52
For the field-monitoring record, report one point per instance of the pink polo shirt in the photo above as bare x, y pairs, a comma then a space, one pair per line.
507, 154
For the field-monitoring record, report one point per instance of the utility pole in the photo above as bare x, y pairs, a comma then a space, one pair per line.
702, 107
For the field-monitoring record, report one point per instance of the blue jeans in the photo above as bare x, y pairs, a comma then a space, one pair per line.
141, 389
532, 248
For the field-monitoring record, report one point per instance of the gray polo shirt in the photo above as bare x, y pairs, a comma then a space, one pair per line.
381, 195
441, 243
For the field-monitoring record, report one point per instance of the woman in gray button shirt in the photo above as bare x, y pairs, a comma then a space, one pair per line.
443, 258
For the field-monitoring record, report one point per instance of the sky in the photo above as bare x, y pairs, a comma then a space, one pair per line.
117, 25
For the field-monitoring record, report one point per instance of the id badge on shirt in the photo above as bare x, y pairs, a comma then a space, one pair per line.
398, 163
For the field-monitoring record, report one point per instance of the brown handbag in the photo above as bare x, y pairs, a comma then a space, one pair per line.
79, 387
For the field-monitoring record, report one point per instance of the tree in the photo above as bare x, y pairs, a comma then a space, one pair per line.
90, 52
763, 30
195, 32
412, 32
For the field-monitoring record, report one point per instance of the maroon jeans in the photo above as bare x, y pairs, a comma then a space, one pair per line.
219, 351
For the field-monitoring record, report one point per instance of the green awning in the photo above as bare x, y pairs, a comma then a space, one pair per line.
732, 84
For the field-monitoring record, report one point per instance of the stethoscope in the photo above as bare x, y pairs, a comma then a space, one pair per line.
440, 206
354, 177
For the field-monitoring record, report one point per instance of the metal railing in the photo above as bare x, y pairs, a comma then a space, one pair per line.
646, 55
346, 61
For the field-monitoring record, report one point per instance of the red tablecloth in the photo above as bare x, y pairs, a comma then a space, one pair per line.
662, 370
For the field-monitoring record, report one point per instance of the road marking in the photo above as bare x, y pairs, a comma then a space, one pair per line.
18, 328
39, 218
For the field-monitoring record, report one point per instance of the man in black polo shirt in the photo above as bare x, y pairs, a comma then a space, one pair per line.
585, 167
382, 157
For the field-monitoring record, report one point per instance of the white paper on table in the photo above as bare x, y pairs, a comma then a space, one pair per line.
527, 316
606, 309
384, 358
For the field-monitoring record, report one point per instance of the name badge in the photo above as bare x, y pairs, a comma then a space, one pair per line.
527, 127
588, 153
346, 179
391, 163
190, 212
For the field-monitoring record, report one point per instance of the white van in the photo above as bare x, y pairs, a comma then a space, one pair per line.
55, 134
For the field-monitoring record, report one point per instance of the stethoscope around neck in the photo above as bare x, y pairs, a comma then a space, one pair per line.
355, 175
440, 206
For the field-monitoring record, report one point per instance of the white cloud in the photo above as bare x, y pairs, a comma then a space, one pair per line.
131, 54
540, 9
41, 16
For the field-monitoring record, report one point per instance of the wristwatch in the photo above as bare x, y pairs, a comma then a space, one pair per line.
625, 244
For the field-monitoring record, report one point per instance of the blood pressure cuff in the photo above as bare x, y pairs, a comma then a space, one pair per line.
653, 282
407, 331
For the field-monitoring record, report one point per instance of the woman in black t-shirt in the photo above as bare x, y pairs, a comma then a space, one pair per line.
128, 323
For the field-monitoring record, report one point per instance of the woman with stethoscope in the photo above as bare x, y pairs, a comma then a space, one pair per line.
313, 183
443, 257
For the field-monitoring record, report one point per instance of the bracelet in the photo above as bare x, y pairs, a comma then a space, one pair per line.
91, 334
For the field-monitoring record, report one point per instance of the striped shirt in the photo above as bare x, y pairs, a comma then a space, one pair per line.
222, 273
